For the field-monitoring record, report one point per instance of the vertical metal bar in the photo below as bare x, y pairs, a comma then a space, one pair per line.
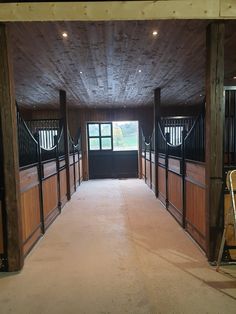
167, 166
40, 177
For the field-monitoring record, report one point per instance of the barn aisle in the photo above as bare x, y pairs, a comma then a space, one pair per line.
115, 249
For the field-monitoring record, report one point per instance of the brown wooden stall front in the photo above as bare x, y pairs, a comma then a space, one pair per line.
43, 182
181, 183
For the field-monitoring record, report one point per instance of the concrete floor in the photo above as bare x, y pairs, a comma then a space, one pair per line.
115, 249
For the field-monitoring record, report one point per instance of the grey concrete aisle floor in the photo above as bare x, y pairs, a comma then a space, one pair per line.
115, 249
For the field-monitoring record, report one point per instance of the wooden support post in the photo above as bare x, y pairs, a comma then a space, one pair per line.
64, 117
10, 158
157, 107
215, 115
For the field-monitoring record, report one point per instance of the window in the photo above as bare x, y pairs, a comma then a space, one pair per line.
125, 135
47, 138
116, 136
100, 136
175, 134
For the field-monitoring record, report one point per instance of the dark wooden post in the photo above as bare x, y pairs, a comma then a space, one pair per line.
215, 115
157, 106
10, 157
64, 117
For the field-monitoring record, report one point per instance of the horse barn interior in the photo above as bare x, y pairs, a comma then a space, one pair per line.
118, 129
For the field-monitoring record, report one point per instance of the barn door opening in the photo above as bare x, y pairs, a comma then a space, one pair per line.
113, 149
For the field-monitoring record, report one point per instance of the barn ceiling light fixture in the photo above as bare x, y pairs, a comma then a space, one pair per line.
64, 34
234, 77
155, 33
139, 71
80, 72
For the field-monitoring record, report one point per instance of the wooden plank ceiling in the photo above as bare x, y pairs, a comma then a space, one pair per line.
112, 64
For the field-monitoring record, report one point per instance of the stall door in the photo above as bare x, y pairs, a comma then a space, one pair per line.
106, 158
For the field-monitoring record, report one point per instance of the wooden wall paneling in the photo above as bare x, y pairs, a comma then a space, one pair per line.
215, 115
63, 188
28, 178
175, 202
50, 200
31, 222
196, 213
148, 174
15, 259
153, 177
1, 231
81, 169
230, 234
143, 168
195, 172
77, 173
162, 184
174, 165
49, 168
72, 181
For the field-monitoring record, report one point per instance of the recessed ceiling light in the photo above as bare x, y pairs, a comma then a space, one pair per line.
139, 71
64, 34
155, 33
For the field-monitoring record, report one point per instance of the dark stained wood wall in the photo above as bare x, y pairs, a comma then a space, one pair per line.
195, 185
1, 229
30, 207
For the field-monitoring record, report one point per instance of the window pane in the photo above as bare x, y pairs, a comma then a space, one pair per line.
93, 129
125, 135
106, 143
94, 144
105, 129
46, 138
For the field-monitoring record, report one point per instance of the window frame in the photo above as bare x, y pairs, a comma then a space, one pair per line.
100, 136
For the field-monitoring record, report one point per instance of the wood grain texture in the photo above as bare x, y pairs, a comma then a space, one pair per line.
30, 207
195, 173
49, 168
114, 10
77, 173
153, 177
63, 189
28, 178
215, 116
161, 161
10, 156
196, 213
109, 55
50, 195
175, 195
72, 182
148, 174
27, 247
81, 170
1, 230
162, 183
143, 168
174, 165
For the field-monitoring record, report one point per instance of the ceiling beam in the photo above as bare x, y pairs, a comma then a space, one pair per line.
118, 10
